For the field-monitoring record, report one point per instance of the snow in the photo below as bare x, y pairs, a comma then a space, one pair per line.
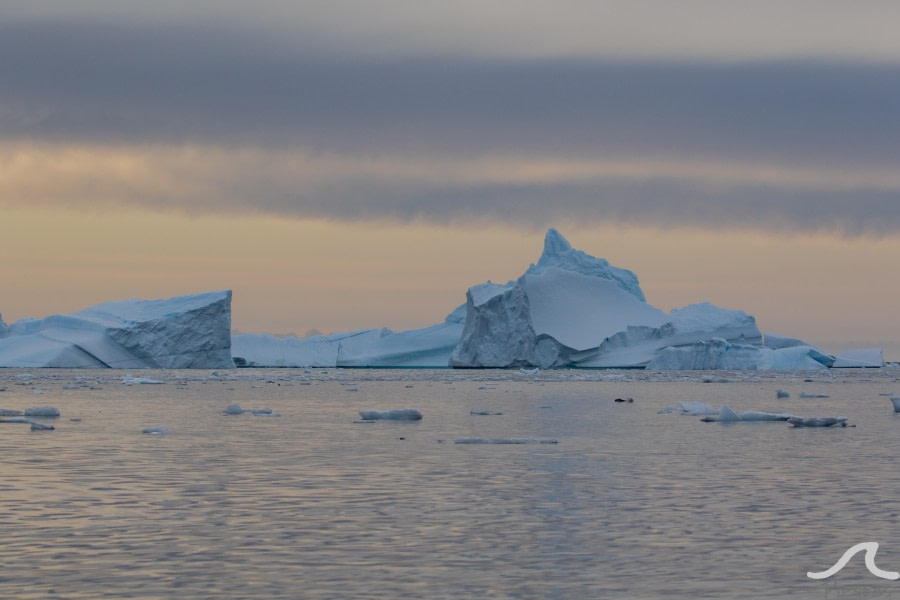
176, 333
396, 414
862, 357
580, 311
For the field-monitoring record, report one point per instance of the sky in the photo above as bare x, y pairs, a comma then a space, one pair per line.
361, 163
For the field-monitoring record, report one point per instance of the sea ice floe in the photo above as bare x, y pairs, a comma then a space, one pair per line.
159, 430
478, 440
484, 413
895, 400
129, 380
6, 412
818, 421
41, 411
727, 415
35, 425
780, 393
235, 409
805, 395
396, 414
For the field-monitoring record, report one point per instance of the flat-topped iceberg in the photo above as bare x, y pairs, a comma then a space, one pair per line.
177, 333
426, 347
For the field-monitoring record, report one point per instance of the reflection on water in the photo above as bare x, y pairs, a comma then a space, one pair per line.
629, 504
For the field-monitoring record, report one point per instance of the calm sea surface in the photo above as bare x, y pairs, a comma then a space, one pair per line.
630, 503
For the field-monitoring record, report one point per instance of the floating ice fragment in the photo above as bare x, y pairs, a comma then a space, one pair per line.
484, 413
35, 425
155, 430
234, 409
477, 440
535, 371
780, 393
41, 411
759, 415
396, 414
818, 421
624, 400
805, 395
6, 412
129, 380
895, 400
694, 409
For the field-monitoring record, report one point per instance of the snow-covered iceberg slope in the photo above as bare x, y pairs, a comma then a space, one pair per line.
186, 332
571, 309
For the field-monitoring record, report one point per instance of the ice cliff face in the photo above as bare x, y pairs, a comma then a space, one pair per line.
178, 333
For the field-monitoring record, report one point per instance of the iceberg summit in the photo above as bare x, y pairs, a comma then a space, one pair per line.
187, 332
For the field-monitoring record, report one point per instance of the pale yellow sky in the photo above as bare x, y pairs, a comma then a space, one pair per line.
293, 275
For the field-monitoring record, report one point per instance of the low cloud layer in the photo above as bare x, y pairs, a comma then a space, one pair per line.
170, 116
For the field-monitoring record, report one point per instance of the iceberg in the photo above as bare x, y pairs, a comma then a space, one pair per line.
575, 310
722, 354
263, 350
895, 400
187, 332
860, 358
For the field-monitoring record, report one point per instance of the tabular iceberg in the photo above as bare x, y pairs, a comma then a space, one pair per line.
426, 347
187, 332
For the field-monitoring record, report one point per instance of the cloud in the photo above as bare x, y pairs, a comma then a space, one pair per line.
172, 115
518, 192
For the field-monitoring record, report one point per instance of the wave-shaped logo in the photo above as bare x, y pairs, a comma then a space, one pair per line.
871, 548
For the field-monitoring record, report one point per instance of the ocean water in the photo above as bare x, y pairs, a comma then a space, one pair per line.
630, 503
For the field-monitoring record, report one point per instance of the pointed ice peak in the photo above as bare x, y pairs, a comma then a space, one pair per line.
555, 243
558, 252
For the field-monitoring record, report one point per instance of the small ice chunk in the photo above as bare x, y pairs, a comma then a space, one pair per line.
478, 440
155, 430
484, 413
6, 412
129, 380
41, 411
396, 414
234, 409
805, 395
895, 400
818, 421
265, 412
35, 425
534, 371
780, 393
